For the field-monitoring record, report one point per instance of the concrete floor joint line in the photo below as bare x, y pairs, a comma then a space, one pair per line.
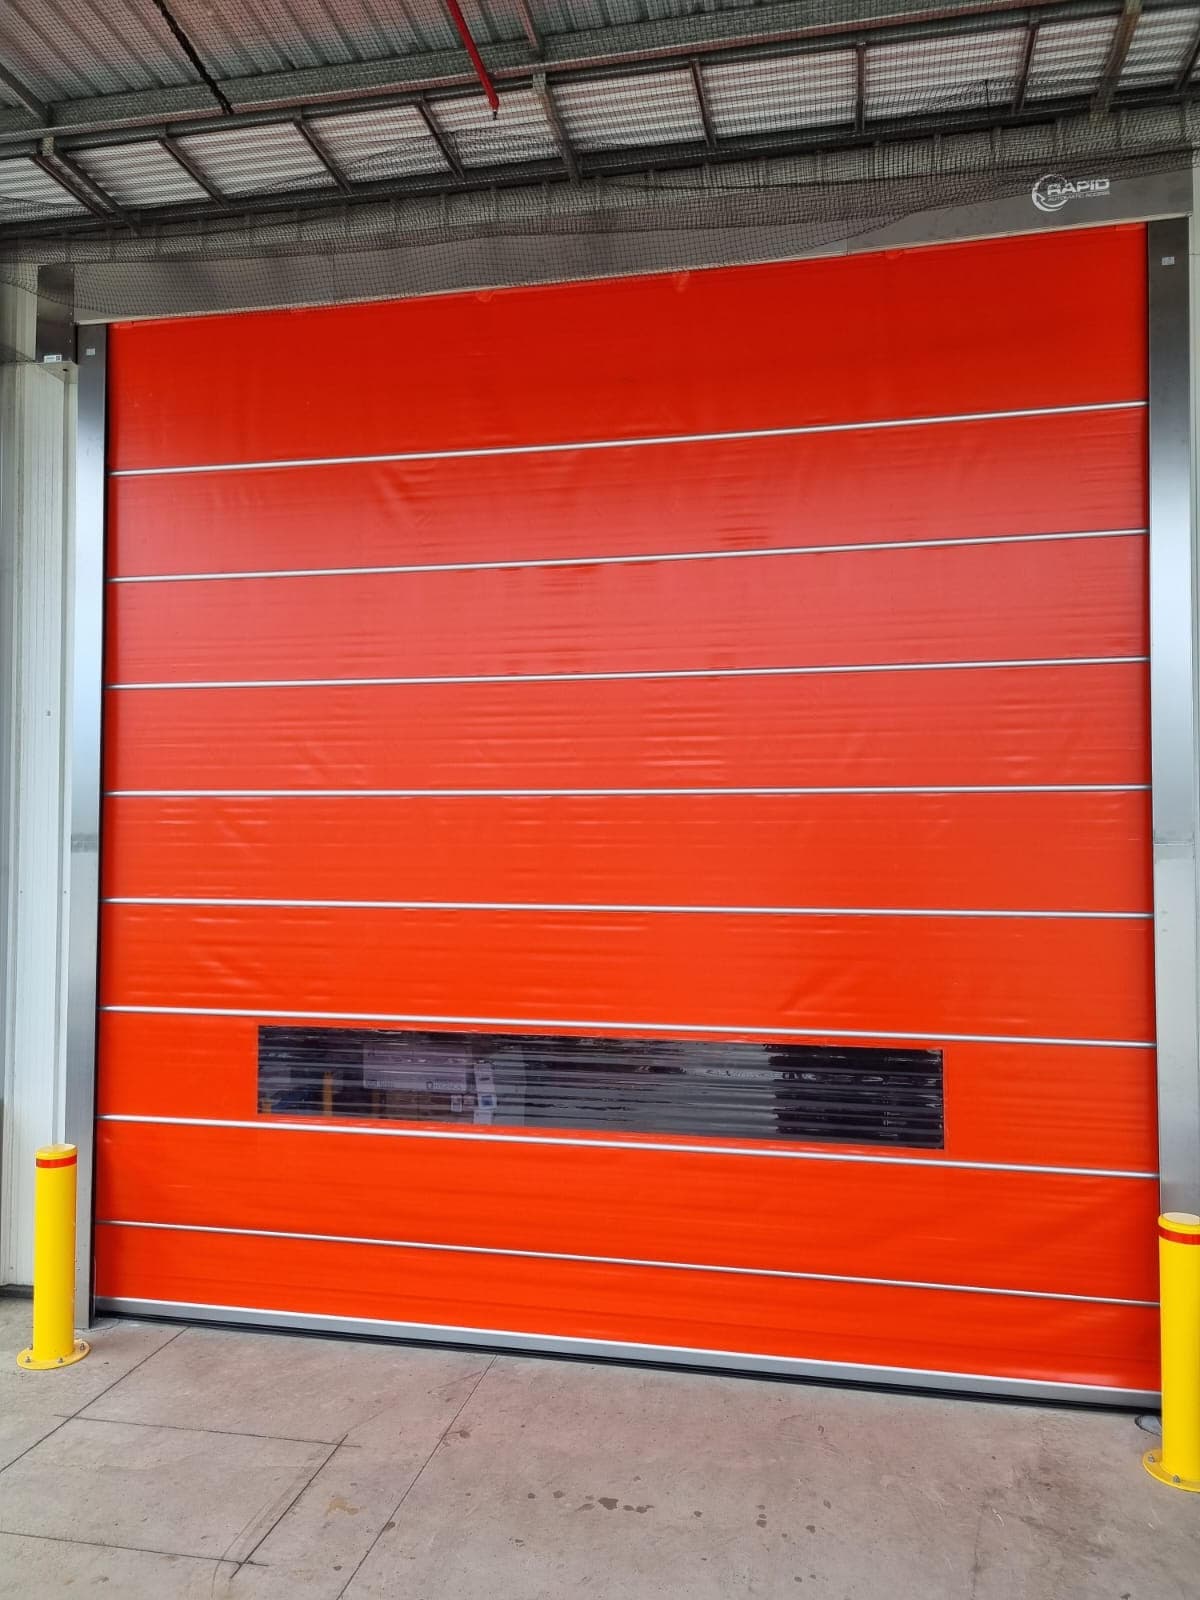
258, 1543
417, 1476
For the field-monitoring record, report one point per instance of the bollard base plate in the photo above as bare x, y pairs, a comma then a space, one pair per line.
1152, 1461
29, 1361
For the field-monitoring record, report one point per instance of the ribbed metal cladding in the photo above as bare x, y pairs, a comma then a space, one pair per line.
1160, 45
380, 144
658, 108
1069, 57
781, 92
90, 47
576, 15
139, 175
243, 37
520, 130
922, 75
256, 160
236, 42
722, 1090
37, 533
25, 190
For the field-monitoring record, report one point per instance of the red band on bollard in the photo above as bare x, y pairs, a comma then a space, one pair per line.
57, 1161
1178, 1238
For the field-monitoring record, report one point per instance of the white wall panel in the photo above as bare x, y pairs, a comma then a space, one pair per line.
36, 447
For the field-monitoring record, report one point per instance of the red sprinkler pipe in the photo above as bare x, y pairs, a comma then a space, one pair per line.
481, 72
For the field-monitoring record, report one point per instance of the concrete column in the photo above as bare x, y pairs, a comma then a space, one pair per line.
36, 458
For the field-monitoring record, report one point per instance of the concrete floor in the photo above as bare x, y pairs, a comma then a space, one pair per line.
176, 1463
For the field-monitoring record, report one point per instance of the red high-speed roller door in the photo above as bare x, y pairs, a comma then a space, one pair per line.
627, 817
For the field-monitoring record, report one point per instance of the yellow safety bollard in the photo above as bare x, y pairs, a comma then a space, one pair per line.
1177, 1460
54, 1341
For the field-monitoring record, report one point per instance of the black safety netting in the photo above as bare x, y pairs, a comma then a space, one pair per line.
427, 244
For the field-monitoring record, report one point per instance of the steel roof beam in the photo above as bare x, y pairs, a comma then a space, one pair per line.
71, 177
710, 133
1022, 85
441, 138
323, 154
1189, 64
1131, 14
545, 94
20, 91
529, 26
670, 41
194, 172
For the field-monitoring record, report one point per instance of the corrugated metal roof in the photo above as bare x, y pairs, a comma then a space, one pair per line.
652, 108
241, 37
69, 49
256, 160
1160, 45
372, 145
577, 16
139, 175
917, 76
770, 96
25, 190
573, 16
520, 131
1069, 57
72, 49
80, 48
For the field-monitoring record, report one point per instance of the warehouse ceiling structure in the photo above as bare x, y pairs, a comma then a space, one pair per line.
119, 113
139, 131
191, 132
